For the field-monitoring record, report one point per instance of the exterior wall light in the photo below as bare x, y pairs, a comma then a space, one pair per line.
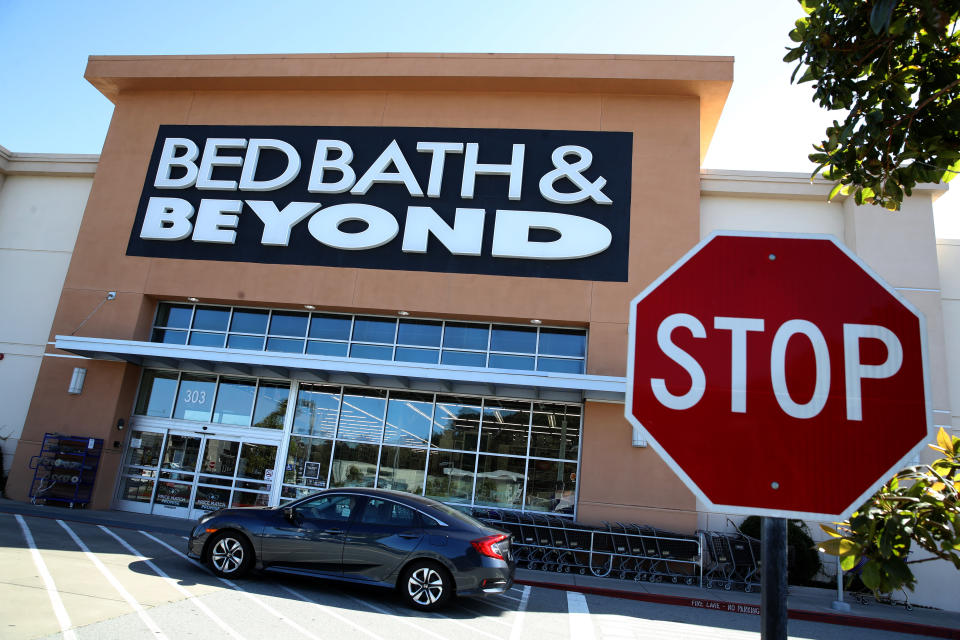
403, 313
192, 299
120, 424
309, 306
535, 321
76, 382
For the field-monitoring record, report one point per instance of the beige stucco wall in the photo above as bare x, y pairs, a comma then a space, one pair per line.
39, 219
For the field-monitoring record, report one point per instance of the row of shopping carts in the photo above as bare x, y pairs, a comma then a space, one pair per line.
629, 551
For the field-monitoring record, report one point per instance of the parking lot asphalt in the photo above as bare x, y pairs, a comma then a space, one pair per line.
103, 574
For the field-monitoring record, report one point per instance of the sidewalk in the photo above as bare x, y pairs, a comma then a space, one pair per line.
804, 603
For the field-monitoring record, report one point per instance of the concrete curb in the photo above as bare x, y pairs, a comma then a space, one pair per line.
897, 626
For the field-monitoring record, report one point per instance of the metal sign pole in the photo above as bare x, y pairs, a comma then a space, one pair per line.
773, 579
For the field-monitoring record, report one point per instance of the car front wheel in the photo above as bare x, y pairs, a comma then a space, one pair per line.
426, 585
231, 555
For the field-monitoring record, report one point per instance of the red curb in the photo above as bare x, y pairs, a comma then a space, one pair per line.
750, 609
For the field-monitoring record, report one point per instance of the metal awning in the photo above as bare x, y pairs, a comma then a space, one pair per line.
537, 385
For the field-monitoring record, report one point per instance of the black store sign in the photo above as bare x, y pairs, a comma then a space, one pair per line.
515, 202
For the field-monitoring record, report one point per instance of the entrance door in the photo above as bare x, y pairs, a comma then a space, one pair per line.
184, 475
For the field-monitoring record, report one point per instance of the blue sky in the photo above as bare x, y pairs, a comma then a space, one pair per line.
47, 106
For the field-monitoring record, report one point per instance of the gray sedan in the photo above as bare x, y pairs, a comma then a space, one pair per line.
427, 551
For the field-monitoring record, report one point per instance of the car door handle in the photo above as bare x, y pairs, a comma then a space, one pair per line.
333, 532
409, 536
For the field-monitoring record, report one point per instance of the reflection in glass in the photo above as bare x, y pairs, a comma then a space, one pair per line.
330, 327
371, 352
271, 404
174, 315
374, 329
556, 431
308, 460
211, 318
513, 339
195, 397
500, 482
157, 390
563, 342
408, 419
499, 361
424, 333
249, 499
354, 465
181, 453
409, 354
459, 335
552, 486
249, 321
361, 417
137, 489
168, 336
317, 410
559, 365
402, 469
456, 423
256, 461
220, 457
321, 348
200, 339
288, 323
285, 345
504, 428
144, 450
450, 476
463, 358
234, 401
250, 343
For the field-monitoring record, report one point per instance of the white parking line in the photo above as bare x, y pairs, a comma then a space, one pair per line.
329, 611
237, 588
173, 583
396, 618
581, 626
473, 629
518, 621
509, 597
147, 620
58, 609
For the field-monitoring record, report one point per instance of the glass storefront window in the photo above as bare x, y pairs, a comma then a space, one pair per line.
552, 486
249, 321
555, 431
173, 494
455, 343
450, 476
271, 404
354, 465
220, 457
317, 410
234, 401
144, 450
505, 426
211, 498
181, 453
402, 469
408, 419
456, 423
137, 489
256, 461
500, 481
195, 397
308, 461
361, 417
157, 391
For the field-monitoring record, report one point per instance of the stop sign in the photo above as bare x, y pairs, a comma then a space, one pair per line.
778, 375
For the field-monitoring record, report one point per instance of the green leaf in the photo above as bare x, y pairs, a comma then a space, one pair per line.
870, 576
847, 563
881, 14
830, 531
833, 192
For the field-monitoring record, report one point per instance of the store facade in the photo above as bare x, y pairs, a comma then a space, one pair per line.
406, 271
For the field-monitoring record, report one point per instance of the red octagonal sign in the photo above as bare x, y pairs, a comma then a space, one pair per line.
778, 375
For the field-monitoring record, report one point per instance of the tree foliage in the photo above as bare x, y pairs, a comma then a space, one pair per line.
919, 505
894, 67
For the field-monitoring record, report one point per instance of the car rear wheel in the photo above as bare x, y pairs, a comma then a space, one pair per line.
426, 585
231, 555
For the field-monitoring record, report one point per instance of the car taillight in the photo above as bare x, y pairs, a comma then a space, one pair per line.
488, 546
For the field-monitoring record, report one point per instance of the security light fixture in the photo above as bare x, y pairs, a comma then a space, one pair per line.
535, 321
403, 313
192, 299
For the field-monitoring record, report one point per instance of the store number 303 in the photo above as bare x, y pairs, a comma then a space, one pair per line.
194, 397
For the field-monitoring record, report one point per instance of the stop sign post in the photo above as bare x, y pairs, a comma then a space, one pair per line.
778, 375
